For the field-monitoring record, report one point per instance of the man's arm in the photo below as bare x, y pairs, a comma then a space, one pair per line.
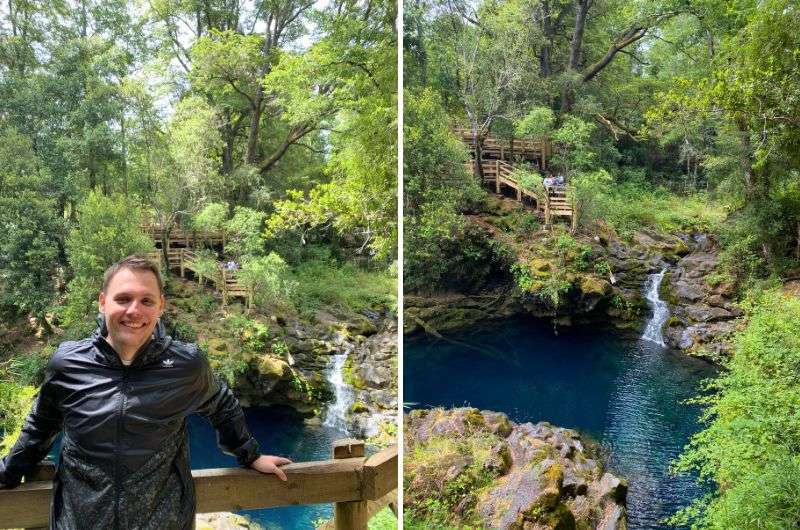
38, 432
222, 409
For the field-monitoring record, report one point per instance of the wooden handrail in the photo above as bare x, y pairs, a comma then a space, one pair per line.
349, 482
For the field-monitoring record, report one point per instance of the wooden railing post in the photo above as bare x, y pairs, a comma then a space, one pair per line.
350, 515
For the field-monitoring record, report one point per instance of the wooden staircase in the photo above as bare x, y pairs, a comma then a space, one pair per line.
497, 167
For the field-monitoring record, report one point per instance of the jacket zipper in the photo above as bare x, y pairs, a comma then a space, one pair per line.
117, 470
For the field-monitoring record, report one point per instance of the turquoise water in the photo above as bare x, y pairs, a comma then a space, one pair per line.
279, 432
623, 392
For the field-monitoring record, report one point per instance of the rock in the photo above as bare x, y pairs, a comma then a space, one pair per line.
273, 368
690, 292
591, 285
534, 476
701, 313
499, 458
224, 521
612, 487
574, 484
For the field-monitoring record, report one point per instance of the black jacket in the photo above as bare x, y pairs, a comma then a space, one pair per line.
124, 461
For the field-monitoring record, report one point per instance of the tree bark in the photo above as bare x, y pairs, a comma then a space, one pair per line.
568, 94
629, 37
745, 157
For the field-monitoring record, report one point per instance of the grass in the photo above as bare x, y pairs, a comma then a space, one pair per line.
345, 287
383, 520
631, 207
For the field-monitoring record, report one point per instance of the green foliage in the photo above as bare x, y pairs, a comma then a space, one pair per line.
383, 520
251, 334
211, 217
751, 442
441, 247
206, 266
29, 252
573, 147
537, 123
348, 287
268, 278
15, 403
107, 231
28, 369
631, 206
244, 232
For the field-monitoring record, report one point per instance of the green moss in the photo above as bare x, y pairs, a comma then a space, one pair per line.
555, 475
358, 407
475, 419
665, 292
593, 285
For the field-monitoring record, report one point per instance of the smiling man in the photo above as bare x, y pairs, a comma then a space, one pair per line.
121, 398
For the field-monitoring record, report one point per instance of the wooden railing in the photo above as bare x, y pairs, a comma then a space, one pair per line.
358, 486
224, 280
188, 238
501, 173
536, 150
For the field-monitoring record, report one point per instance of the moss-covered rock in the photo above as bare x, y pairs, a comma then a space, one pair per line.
462, 471
273, 367
594, 286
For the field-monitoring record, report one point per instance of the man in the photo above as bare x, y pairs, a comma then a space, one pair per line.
122, 397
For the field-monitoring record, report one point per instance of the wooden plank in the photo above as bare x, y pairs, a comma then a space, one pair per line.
353, 515
380, 473
26, 506
217, 490
221, 490
348, 448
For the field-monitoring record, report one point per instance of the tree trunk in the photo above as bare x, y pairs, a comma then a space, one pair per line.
547, 31
568, 94
745, 157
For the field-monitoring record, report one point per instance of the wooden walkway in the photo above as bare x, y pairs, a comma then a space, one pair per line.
183, 238
225, 281
358, 486
536, 152
498, 170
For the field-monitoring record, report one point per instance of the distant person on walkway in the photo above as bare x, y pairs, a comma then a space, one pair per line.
122, 397
231, 265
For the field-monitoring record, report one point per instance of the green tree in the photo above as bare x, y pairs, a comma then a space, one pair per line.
108, 230
29, 252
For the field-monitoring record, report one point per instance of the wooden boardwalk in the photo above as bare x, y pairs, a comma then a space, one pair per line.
186, 238
358, 486
533, 151
182, 256
498, 165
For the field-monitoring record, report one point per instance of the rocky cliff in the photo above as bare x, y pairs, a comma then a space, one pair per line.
465, 467
596, 278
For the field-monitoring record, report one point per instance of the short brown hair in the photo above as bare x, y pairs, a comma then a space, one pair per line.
135, 263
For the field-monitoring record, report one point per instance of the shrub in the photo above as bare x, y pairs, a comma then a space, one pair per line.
107, 231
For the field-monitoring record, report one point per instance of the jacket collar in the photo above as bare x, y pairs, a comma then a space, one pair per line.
149, 351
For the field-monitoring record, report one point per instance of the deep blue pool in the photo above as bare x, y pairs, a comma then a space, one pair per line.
279, 432
622, 391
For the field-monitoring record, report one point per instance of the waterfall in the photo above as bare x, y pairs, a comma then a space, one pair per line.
660, 309
336, 414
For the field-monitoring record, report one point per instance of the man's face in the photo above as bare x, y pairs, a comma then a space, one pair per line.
132, 305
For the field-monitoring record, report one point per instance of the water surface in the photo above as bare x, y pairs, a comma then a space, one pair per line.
625, 392
281, 432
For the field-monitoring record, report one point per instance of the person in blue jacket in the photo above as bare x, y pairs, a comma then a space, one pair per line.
121, 398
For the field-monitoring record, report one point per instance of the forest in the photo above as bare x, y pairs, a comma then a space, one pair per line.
125, 123
665, 117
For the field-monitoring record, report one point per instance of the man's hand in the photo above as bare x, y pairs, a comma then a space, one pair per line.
269, 464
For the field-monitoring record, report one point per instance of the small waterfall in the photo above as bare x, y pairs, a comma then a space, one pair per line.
660, 309
336, 414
